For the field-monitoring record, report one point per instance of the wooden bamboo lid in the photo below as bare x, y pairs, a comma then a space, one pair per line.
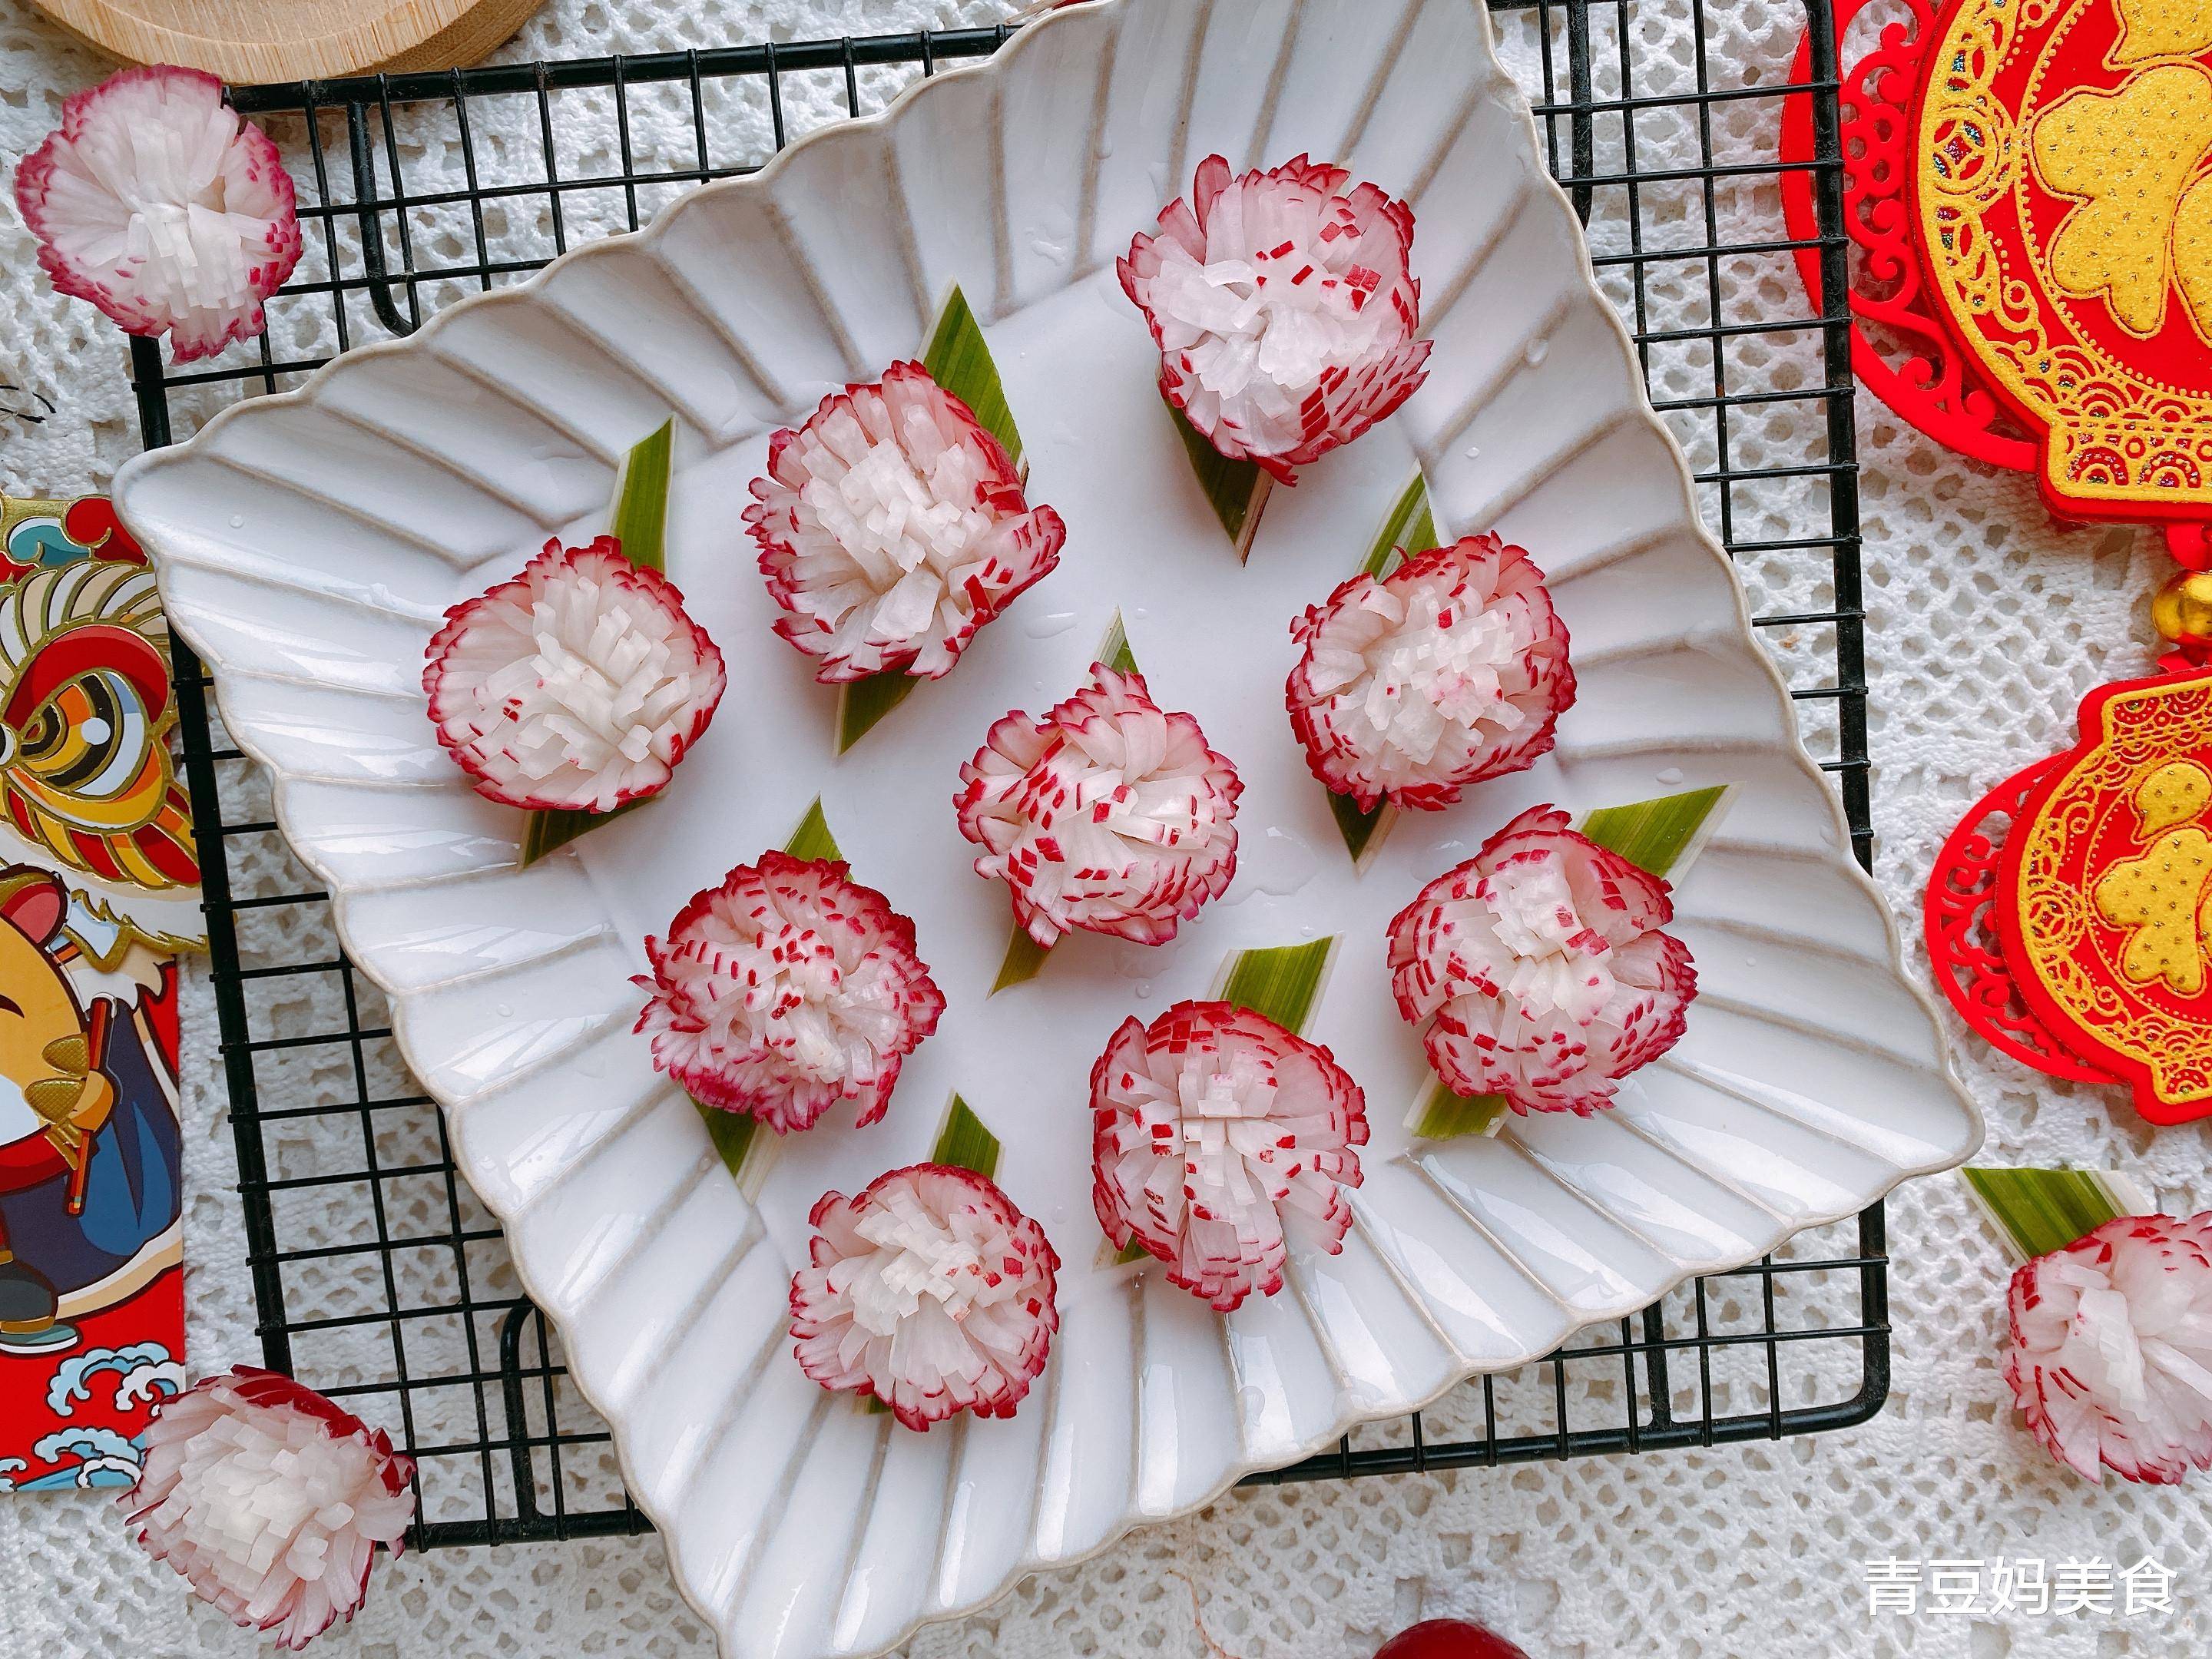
248, 42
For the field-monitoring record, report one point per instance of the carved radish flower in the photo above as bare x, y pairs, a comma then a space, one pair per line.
786, 990
159, 205
2111, 1358
1537, 969
270, 1500
1450, 670
1216, 1136
1108, 815
891, 527
1283, 309
579, 684
931, 1291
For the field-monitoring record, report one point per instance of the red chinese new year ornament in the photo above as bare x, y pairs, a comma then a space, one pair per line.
2027, 192
1934, 386
2028, 198
2079, 939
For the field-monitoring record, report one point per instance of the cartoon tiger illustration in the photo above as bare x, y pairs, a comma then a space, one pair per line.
88, 1155
85, 770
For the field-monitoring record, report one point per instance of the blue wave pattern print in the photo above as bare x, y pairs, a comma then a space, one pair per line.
90, 1454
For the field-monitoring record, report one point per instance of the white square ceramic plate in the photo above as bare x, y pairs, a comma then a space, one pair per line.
307, 545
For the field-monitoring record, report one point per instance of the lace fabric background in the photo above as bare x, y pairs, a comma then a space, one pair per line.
1986, 624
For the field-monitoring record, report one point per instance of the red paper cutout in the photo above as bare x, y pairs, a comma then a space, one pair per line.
1938, 387
1963, 939
2085, 826
2079, 940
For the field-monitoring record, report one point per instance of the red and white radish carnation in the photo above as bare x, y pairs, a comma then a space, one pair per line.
891, 527
1217, 1138
1537, 971
156, 202
1108, 815
1450, 670
930, 1291
270, 1500
2111, 1357
579, 684
786, 990
1283, 308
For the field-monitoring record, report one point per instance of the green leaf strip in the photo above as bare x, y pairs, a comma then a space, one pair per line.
1363, 832
1023, 961
959, 360
965, 1144
812, 839
1661, 836
1282, 983
1410, 528
732, 1133
639, 520
1133, 1251
544, 831
1236, 490
1440, 1115
640, 517
2036, 1212
862, 702
1114, 650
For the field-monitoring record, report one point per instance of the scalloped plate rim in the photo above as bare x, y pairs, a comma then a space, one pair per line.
871, 130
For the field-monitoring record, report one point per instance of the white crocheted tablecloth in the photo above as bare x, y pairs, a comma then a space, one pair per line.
1986, 624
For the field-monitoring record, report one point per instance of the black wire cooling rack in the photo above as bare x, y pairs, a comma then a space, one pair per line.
377, 1276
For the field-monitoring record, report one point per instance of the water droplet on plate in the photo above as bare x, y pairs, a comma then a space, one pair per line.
1671, 774
1144, 991
1474, 452
1049, 625
1277, 863
1536, 350
238, 521
507, 1011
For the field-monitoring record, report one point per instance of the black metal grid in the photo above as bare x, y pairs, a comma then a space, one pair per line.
1796, 1344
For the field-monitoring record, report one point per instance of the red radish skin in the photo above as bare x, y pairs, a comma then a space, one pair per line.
1537, 969
891, 527
1450, 670
1109, 814
1449, 1639
1240, 256
1217, 1138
